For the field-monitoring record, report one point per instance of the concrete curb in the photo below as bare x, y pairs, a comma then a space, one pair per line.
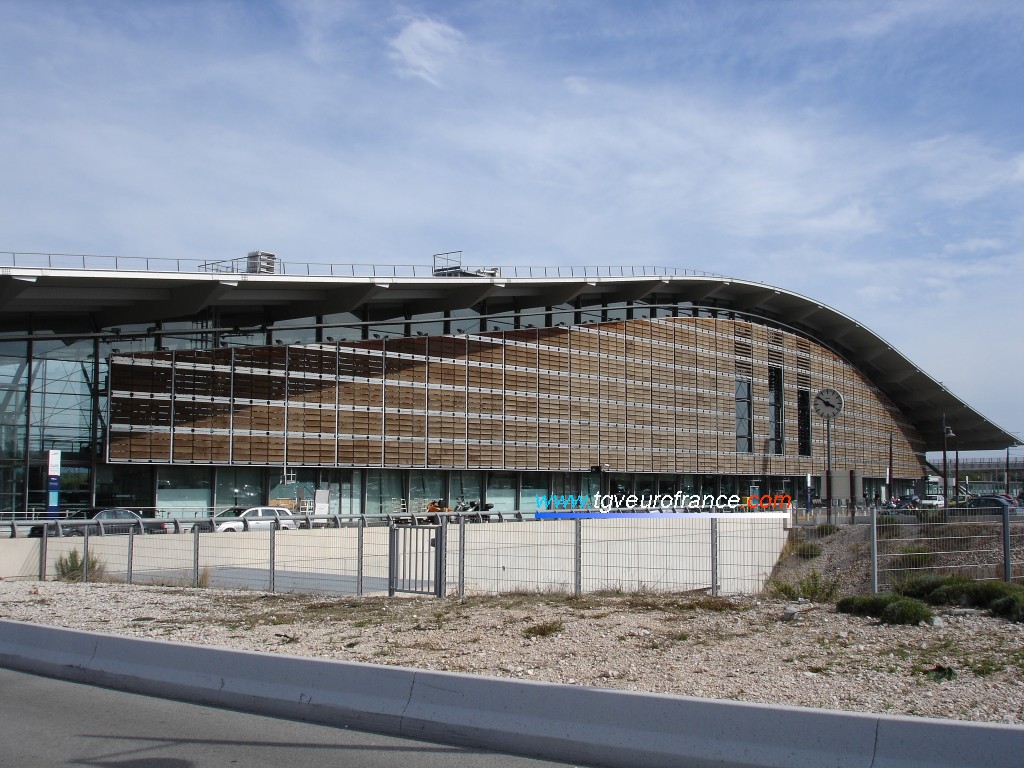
593, 726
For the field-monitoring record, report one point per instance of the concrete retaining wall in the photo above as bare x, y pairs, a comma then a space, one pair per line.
583, 725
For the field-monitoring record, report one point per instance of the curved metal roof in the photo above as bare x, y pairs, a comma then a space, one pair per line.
73, 301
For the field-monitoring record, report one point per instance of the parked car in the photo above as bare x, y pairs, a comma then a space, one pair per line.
995, 504
932, 500
109, 520
231, 520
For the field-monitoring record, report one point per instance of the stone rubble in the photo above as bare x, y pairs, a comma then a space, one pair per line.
968, 666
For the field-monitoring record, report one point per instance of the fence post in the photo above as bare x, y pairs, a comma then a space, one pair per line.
462, 555
359, 553
131, 555
85, 553
42, 552
874, 550
714, 556
441, 558
392, 557
195, 554
273, 542
1007, 556
577, 585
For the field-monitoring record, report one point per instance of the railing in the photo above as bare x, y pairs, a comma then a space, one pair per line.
241, 265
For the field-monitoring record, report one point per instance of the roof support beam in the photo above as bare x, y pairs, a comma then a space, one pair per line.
183, 301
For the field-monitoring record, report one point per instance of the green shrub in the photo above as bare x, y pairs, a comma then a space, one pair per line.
889, 607
1010, 606
913, 557
826, 529
906, 610
70, 567
813, 587
887, 526
935, 589
808, 550
867, 605
1002, 599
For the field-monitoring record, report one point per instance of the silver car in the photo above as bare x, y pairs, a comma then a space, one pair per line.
235, 519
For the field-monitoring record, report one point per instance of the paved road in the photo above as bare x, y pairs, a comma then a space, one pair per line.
46, 723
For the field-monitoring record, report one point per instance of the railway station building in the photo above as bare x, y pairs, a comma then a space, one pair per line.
179, 386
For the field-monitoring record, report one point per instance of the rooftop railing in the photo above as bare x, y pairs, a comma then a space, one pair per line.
246, 265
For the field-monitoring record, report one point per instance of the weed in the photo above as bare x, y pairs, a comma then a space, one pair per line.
813, 587
911, 558
807, 550
544, 629
887, 526
70, 567
826, 529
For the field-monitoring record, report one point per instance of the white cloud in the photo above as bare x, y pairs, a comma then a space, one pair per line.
424, 48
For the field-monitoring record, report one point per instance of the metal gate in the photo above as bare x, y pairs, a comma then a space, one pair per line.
416, 558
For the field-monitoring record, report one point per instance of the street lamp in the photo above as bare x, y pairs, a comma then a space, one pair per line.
955, 468
946, 434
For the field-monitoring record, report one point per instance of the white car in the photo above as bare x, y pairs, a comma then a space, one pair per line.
257, 518
932, 500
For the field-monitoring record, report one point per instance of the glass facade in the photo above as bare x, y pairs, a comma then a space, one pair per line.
744, 417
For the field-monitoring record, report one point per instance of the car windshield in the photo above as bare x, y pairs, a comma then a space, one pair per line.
232, 512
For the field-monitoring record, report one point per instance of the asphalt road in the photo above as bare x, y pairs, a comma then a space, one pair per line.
46, 723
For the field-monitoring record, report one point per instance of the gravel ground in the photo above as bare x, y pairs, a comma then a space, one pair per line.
969, 666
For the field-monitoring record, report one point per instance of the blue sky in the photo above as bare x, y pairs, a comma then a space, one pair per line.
868, 154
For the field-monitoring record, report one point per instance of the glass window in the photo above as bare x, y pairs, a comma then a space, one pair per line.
239, 486
184, 491
615, 311
803, 425
465, 486
428, 324
501, 491
620, 485
384, 492
744, 422
295, 331
535, 484
426, 485
563, 314
465, 321
776, 422
644, 485
387, 331
342, 326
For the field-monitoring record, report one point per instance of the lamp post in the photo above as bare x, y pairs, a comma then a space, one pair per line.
956, 470
947, 432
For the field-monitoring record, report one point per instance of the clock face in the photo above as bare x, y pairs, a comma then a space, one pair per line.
828, 403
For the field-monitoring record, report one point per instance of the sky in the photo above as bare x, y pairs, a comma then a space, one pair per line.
867, 154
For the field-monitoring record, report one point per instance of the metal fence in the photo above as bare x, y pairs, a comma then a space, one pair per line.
442, 555
883, 548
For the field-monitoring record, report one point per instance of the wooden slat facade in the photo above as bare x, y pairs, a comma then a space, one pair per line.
635, 395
